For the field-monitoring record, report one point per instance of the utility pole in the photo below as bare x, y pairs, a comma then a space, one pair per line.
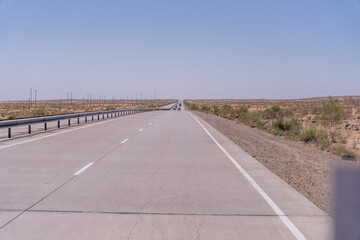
35, 96
155, 99
30, 97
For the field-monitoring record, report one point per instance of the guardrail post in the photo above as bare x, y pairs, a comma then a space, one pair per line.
78, 120
29, 129
9, 132
86, 119
107, 115
98, 116
92, 118
45, 126
103, 116
69, 122
59, 124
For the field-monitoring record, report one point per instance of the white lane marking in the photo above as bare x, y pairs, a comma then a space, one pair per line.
141, 130
293, 229
71, 130
83, 169
150, 123
155, 120
124, 141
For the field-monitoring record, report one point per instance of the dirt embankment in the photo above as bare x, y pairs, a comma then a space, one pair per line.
303, 167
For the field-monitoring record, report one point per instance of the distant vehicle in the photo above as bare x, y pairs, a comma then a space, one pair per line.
179, 108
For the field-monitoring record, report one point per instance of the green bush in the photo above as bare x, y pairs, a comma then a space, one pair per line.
216, 110
273, 112
330, 114
258, 121
194, 107
281, 125
228, 112
308, 134
278, 133
340, 151
39, 112
292, 126
205, 108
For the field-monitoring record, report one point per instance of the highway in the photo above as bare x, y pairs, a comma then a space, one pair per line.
153, 175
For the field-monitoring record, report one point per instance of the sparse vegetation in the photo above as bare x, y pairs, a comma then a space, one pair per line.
310, 122
330, 114
343, 152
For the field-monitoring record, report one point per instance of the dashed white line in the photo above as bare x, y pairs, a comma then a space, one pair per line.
141, 130
83, 169
124, 141
293, 229
150, 124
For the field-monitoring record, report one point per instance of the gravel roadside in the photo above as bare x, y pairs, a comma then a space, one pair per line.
305, 168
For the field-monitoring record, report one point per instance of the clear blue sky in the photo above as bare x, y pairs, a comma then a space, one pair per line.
183, 49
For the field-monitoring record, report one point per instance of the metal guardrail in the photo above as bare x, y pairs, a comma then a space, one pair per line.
45, 119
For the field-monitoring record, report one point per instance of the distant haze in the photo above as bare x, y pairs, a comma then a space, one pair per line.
181, 49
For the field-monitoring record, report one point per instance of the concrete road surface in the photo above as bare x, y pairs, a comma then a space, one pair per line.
154, 175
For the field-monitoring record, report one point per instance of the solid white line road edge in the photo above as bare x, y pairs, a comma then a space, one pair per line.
293, 229
83, 169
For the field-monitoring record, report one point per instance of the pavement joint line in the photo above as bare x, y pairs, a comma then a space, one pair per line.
288, 223
83, 169
157, 213
27, 209
160, 213
66, 131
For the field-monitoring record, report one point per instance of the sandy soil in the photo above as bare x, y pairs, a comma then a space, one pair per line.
305, 168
